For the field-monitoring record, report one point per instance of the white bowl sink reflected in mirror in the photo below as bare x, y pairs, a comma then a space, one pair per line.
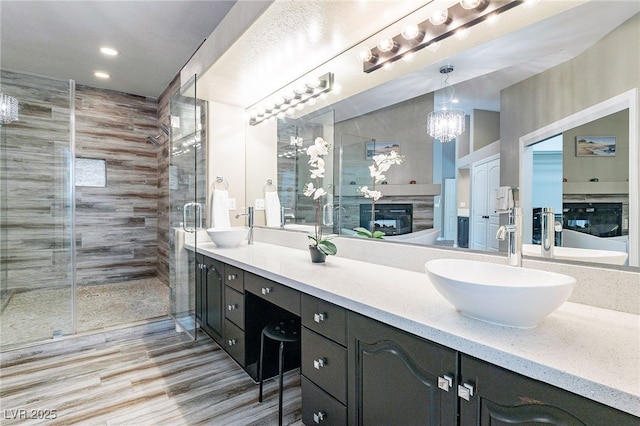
228, 237
609, 257
499, 294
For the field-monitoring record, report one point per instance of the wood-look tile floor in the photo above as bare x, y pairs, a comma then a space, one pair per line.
143, 375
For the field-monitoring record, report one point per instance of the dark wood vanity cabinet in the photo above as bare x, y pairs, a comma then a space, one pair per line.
209, 296
501, 397
324, 362
358, 371
397, 378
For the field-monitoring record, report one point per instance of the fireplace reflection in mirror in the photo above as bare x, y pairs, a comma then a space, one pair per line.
391, 219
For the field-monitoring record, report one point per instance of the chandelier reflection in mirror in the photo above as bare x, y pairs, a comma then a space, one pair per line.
447, 123
8, 109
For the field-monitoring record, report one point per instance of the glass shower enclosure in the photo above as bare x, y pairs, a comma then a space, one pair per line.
37, 264
187, 199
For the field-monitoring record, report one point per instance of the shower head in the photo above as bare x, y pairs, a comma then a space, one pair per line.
153, 140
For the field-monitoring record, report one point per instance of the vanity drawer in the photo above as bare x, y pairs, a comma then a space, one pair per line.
325, 363
234, 342
325, 318
234, 277
278, 294
318, 407
234, 306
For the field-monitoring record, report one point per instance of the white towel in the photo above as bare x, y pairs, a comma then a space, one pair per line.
272, 209
220, 209
504, 199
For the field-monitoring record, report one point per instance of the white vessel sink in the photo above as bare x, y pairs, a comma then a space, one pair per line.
499, 294
228, 237
580, 254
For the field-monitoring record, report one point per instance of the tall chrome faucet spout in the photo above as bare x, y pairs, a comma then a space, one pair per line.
249, 215
513, 234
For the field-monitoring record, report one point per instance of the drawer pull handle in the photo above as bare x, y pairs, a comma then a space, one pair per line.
232, 342
232, 307
266, 290
232, 277
445, 383
319, 363
319, 317
465, 391
319, 416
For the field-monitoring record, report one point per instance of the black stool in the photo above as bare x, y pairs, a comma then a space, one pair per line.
283, 332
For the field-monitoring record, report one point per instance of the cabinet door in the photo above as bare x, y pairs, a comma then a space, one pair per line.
502, 397
213, 312
394, 377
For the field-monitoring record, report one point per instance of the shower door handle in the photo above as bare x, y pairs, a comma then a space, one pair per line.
198, 216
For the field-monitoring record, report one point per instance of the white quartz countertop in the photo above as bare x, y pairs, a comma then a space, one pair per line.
589, 351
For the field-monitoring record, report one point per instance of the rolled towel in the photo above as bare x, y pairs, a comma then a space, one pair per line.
504, 199
220, 209
272, 209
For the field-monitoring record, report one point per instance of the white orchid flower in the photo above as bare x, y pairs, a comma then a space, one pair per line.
319, 193
309, 189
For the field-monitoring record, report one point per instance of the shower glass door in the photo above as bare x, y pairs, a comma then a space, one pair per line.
36, 211
187, 199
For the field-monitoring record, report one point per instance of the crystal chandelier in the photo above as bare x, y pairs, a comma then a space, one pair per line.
447, 123
8, 109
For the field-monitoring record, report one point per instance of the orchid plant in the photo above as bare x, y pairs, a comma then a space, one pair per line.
315, 152
381, 164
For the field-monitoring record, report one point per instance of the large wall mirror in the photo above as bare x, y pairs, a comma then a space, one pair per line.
437, 180
515, 82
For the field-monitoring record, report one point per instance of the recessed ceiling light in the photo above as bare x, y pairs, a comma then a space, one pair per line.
101, 74
109, 51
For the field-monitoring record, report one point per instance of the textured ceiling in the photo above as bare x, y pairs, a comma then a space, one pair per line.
313, 37
61, 39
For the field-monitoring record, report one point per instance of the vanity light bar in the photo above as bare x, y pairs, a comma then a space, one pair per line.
288, 100
462, 15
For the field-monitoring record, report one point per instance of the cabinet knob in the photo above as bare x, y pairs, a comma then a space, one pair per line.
232, 277
445, 383
232, 307
465, 391
319, 416
319, 363
319, 317
232, 342
266, 290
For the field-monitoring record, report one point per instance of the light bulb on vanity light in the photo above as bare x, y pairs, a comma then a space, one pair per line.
471, 4
439, 17
386, 45
411, 32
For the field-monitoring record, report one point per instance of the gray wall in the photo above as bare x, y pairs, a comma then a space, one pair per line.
608, 68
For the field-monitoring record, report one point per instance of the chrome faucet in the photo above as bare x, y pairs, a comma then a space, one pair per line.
249, 214
549, 227
512, 232
284, 217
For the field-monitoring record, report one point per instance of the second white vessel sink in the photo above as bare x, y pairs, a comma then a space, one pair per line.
609, 257
499, 294
228, 237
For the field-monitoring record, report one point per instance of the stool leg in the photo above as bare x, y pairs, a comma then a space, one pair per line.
280, 368
260, 363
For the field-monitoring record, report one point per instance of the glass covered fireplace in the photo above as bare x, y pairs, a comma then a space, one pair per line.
599, 219
392, 219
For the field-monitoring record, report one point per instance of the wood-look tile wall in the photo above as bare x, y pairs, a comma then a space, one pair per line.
35, 191
116, 226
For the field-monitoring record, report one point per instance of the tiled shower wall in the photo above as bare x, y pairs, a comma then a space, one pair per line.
116, 225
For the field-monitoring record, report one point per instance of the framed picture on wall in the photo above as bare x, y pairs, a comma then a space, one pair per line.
595, 146
376, 148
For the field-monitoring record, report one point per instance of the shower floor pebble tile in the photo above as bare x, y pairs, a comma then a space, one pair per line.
35, 315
